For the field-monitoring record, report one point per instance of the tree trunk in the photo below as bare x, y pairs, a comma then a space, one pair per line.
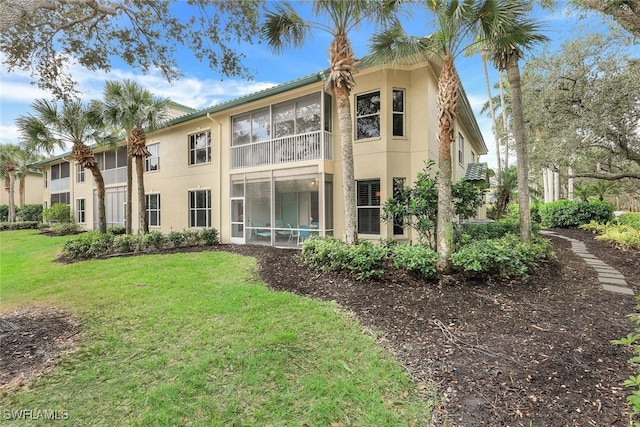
12, 202
494, 128
22, 189
505, 124
448, 95
348, 174
129, 212
519, 133
143, 225
102, 212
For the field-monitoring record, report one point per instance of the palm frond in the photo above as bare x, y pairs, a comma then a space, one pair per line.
395, 46
284, 27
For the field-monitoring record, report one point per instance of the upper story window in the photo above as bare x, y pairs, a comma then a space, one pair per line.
368, 115
79, 173
460, 148
45, 177
200, 148
398, 112
152, 163
60, 180
113, 165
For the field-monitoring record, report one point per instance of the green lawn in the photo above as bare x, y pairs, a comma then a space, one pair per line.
197, 339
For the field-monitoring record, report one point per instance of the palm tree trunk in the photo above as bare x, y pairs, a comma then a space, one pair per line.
493, 113
143, 225
505, 130
12, 202
448, 95
348, 175
129, 212
22, 189
519, 133
102, 211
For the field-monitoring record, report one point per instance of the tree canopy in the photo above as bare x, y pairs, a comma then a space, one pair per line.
584, 108
44, 37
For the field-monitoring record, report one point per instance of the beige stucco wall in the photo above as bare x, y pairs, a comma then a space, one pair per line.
32, 191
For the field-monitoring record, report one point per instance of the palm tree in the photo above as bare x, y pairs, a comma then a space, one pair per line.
8, 160
76, 124
456, 23
133, 108
284, 27
507, 31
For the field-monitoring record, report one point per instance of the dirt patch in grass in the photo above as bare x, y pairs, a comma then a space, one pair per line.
502, 352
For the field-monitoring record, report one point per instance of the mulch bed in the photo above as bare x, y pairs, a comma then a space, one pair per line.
502, 352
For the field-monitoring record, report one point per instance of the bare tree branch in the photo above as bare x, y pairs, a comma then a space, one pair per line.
606, 176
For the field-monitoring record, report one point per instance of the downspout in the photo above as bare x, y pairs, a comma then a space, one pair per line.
217, 123
72, 192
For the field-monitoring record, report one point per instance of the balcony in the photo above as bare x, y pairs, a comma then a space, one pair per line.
61, 184
289, 149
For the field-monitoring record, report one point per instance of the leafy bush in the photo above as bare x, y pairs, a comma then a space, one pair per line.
506, 256
125, 243
154, 240
572, 214
330, 254
79, 246
624, 236
27, 225
418, 259
630, 219
176, 238
31, 212
65, 228
633, 382
58, 212
366, 260
514, 212
116, 230
192, 237
466, 233
4, 213
209, 236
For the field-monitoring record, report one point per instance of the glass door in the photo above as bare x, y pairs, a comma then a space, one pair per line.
237, 220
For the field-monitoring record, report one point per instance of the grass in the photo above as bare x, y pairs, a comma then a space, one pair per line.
197, 339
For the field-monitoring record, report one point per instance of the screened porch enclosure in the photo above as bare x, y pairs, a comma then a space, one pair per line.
268, 209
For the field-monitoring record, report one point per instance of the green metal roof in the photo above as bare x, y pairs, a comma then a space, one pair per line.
476, 172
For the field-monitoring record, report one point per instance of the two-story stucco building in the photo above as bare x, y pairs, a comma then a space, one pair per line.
266, 168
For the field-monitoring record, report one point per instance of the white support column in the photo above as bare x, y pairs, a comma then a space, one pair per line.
570, 185
556, 186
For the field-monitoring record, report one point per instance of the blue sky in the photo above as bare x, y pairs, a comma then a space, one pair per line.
201, 87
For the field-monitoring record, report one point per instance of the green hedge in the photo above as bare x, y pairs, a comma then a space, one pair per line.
572, 214
470, 232
25, 225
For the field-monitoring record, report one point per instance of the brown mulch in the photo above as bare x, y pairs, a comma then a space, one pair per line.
502, 352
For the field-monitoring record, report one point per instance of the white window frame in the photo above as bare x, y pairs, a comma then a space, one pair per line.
402, 113
460, 148
358, 116
81, 211
156, 157
193, 150
195, 209
79, 173
149, 210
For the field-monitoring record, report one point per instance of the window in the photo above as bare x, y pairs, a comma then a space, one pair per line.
80, 211
79, 173
200, 208
368, 115
112, 159
59, 171
200, 148
153, 210
398, 222
460, 149
46, 179
368, 207
152, 163
398, 112
60, 198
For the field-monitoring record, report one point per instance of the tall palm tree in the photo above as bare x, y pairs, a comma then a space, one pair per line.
8, 160
507, 31
284, 27
136, 110
75, 124
456, 24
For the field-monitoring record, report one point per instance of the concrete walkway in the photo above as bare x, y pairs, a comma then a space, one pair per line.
610, 278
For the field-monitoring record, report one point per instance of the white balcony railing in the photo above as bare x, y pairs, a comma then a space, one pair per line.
289, 149
114, 176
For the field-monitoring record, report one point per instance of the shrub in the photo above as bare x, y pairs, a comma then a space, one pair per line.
469, 232
4, 213
58, 212
125, 243
209, 236
154, 240
572, 214
101, 244
623, 236
330, 254
366, 260
633, 382
78, 247
505, 256
27, 225
630, 219
192, 237
418, 259
514, 212
116, 230
65, 228
31, 212
176, 238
